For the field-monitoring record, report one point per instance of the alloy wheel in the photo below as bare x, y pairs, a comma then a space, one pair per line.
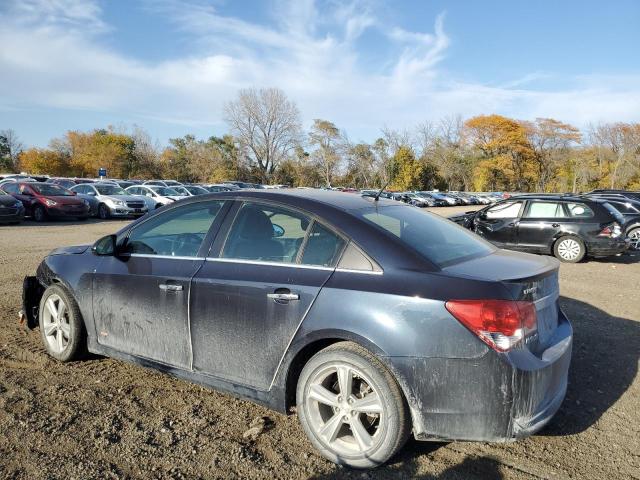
569, 249
57, 329
345, 410
634, 238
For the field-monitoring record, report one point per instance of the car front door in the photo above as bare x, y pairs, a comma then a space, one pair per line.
499, 223
540, 224
248, 301
141, 295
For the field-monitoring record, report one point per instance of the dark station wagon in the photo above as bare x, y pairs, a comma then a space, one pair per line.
568, 227
374, 319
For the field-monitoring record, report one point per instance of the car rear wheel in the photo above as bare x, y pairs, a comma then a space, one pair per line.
103, 212
351, 407
61, 325
634, 238
39, 214
569, 249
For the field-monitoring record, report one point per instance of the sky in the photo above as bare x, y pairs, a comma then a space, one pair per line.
169, 66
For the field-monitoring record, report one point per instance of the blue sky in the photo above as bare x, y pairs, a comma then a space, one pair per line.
169, 66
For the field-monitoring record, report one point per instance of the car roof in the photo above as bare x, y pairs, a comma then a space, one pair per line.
555, 197
333, 199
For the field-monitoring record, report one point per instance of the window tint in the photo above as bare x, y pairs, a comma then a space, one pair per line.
323, 247
439, 240
504, 210
10, 188
545, 210
579, 210
177, 233
266, 233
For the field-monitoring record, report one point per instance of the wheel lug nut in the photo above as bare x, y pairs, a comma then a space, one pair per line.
345, 418
339, 398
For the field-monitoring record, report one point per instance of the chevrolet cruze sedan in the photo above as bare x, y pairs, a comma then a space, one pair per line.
112, 200
374, 319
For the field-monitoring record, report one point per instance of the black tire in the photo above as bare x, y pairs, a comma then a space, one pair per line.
77, 336
394, 424
39, 214
103, 212
569, 243
634, 236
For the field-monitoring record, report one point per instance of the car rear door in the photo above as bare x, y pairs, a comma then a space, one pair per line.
141, 296
540, 225
248, 300
499, 223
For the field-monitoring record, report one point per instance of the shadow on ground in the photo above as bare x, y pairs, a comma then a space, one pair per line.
603, 366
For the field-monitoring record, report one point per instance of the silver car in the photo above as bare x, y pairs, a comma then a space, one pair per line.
113, 200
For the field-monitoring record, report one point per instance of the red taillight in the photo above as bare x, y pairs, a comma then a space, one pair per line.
612, 230
501, 324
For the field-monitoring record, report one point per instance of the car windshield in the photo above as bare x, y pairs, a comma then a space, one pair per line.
439, 240
165, 191
49, 189
110, 190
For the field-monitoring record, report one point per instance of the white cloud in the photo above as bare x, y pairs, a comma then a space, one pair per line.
55, 55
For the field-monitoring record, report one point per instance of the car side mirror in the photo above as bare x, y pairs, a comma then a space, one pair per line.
106, 246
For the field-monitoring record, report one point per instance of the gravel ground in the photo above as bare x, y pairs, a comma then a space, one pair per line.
101, 418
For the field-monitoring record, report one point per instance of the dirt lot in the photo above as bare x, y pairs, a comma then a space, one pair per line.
101, 418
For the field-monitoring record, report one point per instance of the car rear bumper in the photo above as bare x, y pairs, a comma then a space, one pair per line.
607, 247
497, 397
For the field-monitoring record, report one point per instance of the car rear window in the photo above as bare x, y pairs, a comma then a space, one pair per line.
439, 240
579, 210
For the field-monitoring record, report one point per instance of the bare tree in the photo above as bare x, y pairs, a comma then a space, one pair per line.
266, 124
326, 137
10, 148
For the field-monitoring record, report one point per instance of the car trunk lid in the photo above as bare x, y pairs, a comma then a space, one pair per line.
529, 278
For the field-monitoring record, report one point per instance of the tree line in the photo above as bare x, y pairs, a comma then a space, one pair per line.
266, 143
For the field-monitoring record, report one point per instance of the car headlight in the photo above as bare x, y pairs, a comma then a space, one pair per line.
118, 203
49, 203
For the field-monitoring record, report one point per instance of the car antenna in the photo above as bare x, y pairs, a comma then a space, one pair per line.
377, 195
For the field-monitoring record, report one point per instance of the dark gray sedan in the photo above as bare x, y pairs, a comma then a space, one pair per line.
374, 319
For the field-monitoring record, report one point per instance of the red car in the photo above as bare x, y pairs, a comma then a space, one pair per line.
47, 200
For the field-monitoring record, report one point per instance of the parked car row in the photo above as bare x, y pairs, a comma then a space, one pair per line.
438, 199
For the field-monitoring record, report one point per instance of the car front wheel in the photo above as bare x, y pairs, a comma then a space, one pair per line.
39, 214
351, 407
569, 249
103, 212
61, 325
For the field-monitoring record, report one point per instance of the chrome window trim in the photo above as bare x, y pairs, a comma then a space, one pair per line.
290, 265
171, 257
266, 263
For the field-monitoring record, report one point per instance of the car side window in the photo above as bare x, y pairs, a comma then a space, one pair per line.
10, 188
579, 210
545, 210
266, 233
504, 210
323, 247
176, 233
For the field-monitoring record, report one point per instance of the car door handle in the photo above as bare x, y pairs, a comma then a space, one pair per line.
283, 296
170, 287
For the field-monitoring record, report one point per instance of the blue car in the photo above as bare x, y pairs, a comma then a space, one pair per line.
374, 319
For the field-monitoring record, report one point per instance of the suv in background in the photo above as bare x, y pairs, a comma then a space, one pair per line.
565, 226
